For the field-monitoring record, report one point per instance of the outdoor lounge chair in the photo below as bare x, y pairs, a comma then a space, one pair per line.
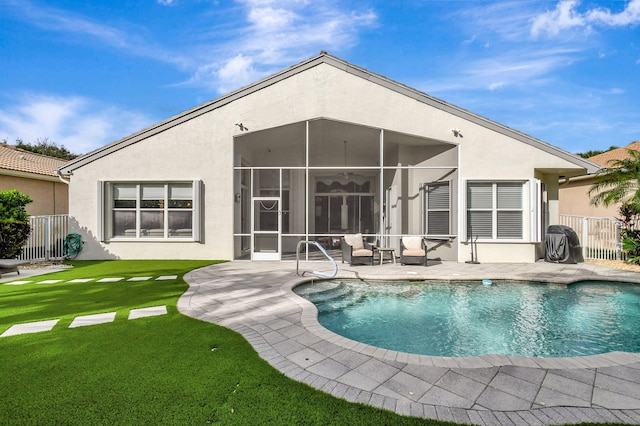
356, 250
413, 250
11, 265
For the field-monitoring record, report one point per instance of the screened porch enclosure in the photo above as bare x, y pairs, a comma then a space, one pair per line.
321, 179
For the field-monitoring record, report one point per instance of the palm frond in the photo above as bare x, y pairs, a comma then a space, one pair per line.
619, 183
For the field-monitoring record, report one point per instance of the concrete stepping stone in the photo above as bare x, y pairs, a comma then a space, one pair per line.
166, 277
139, 278
94, 319
81, 280
30, 327
49, 282
18, 282
110, 280
147, 312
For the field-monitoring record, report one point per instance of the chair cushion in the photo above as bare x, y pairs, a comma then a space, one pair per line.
362, 253
413, 252
412, 243
355, 241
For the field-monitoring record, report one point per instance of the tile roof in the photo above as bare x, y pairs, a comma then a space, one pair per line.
615, 154
19, 160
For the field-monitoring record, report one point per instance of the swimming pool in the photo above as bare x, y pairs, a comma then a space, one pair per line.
469, 319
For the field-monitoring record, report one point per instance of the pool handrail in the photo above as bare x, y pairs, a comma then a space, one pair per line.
316, 273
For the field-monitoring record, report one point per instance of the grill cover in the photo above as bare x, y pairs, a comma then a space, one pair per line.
562, 245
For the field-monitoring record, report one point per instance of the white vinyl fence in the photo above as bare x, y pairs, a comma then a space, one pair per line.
47, 238
599, 236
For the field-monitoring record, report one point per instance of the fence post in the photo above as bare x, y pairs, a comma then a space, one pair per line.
585, 237
618, 240
47, 238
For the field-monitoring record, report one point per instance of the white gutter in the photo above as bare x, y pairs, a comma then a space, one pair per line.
61, 177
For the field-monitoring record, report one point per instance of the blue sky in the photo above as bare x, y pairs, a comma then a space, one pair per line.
84, 74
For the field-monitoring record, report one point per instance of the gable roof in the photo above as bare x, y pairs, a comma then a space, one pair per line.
325, 58
18, 160
605, 158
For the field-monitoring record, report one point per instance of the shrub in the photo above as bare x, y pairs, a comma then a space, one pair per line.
630, 235
631, 245
13, 235
14, 223
12, 205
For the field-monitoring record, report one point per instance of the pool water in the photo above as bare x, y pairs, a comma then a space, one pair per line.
471, 319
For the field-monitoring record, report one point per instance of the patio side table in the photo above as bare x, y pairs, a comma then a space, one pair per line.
390, 250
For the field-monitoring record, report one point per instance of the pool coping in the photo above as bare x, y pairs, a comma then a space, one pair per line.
256, 300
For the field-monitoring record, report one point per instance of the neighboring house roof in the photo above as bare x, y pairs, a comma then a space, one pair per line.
18, 161
605, 158
325, 58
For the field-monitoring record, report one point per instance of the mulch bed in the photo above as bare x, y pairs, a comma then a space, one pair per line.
617, 264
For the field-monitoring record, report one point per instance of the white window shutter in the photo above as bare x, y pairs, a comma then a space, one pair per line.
197, 210
100, 230
535, 207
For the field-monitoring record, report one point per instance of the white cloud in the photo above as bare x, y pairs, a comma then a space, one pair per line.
268, 19
71, 23
566, 16
78, 123
509, 20
562, 17
629, 16
616, 91
277, 33
236, 72
256, 38
509, 68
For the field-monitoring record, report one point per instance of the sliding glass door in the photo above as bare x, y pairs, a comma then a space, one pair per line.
344, 214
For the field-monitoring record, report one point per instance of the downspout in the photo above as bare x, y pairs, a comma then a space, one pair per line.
61, 177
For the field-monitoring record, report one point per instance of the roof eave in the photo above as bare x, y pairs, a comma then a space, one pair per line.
27, 175
324, 57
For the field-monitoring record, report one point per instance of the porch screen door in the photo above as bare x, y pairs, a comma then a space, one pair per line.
266, 228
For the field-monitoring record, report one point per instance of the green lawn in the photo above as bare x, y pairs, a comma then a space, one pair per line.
157, 370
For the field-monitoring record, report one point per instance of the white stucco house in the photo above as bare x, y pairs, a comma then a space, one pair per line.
316, 151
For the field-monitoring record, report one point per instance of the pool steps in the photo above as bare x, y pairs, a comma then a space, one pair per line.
330, 296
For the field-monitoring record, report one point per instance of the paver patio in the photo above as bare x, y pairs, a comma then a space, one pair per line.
255, 299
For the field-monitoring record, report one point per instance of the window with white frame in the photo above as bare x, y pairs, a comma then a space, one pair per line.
495, 210
438, 200
148, 210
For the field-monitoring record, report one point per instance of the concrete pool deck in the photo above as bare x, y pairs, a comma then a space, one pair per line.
255, 299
